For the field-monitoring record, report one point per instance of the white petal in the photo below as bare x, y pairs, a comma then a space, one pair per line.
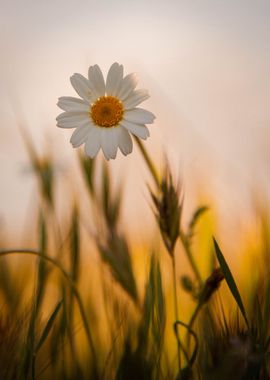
92, 144
114, 79
82, 87
68, 103
135, 98
96, 80
139, 116
109, 142
79, 136
124, 141
137, 130
127, 85
71, 119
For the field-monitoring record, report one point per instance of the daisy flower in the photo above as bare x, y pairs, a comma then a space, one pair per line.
106, 112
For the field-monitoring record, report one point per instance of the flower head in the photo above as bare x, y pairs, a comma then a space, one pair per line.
107, 112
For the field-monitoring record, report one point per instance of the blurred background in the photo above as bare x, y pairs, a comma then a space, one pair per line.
206, 65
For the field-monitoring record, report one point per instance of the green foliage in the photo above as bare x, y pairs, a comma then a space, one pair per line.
266, 308
230, 281
42, 272
9, 288
144, 360
154, 310
12, 347
110, 203
133, 365
230, 351
75, 245
48, 327
115, 253
88, 170
194, 220
43, 169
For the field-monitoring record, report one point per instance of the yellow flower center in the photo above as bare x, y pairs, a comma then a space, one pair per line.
107, 111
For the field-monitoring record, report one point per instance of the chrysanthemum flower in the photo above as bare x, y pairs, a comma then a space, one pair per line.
107, 112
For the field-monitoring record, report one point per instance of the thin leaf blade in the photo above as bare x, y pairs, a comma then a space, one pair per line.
230, 281
48, 326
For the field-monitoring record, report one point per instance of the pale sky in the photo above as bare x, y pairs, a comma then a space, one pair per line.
205, 63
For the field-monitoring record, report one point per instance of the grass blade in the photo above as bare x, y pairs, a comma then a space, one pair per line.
230, 281
42, 272
75, 245
48, 326
195, 218
88, 170
115, 252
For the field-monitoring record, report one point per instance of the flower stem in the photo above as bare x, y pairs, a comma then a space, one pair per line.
73, 287
148, 161
176, 312
154, 174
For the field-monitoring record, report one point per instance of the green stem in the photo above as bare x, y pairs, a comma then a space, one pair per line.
191, 322
175, 288
154, 174
176, 312
72, 285
190, 257
191, 332
148, 161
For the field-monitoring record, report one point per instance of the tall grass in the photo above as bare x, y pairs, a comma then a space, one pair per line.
73, 318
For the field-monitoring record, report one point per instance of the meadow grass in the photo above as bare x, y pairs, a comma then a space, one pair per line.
66, 316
